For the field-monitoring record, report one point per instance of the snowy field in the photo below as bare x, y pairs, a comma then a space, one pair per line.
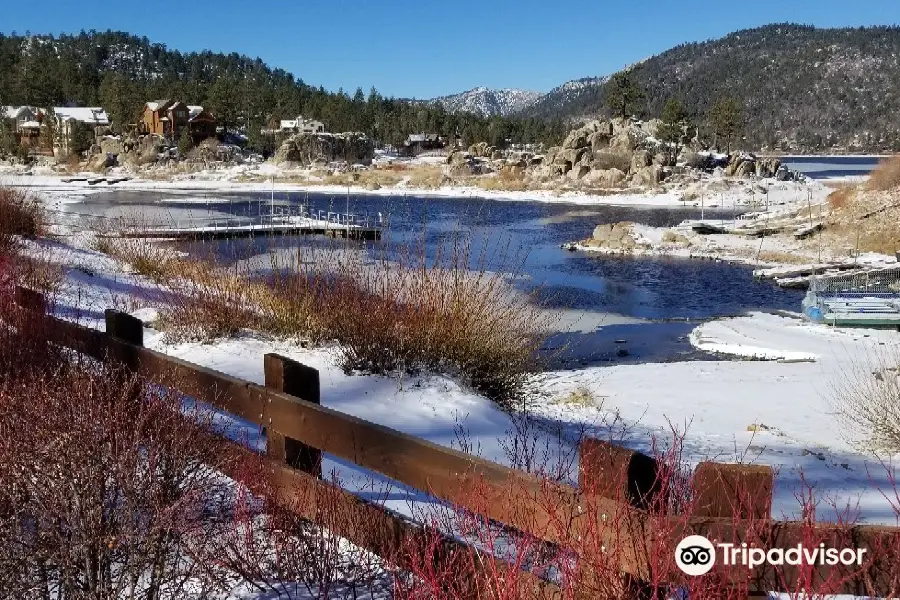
771, 397
776, 408
233, 179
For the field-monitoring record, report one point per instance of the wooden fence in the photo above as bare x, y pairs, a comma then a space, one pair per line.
617, 487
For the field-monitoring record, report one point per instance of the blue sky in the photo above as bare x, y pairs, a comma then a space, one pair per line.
426, 48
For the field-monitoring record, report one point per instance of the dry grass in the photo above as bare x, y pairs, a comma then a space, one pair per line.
399, 316
841, 196
505, 180
426, 176
143, 256
580, 396
21, 215
886, 176
789, 258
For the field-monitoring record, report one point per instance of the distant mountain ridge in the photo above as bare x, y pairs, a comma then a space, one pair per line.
802, 88
486, 102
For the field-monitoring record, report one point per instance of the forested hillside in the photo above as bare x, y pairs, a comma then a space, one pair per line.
801, 88
120, 72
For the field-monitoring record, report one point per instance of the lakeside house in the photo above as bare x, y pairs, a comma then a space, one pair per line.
301, 125
76, 128
24, 125
18, 116
201, 123
169, 119
418, 143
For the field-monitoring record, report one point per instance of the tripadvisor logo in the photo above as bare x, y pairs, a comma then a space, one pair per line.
696, 555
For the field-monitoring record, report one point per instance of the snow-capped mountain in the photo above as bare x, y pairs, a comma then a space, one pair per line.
487, 102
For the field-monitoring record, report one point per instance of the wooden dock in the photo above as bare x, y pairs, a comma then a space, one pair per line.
234, 231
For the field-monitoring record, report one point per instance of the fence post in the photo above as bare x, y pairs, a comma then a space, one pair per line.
611, 471
291, 377
605, 468
30, 299
734, 491
128, 329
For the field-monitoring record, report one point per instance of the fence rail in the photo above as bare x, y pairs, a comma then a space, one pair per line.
732, 502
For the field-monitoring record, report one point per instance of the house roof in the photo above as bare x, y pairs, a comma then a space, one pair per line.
155, 105
422, 137
93, 115
195, 110
14, 112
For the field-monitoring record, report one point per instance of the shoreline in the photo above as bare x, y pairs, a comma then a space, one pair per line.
739, 196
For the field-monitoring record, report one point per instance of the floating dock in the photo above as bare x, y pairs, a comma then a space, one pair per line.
865, 311
294, 226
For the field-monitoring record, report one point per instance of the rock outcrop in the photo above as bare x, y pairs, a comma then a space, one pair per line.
307, 148
616, 237
603, 153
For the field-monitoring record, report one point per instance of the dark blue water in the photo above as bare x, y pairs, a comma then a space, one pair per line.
665, 298
825, 167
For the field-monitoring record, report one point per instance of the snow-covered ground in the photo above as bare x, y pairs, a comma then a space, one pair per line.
779, 411
258, 178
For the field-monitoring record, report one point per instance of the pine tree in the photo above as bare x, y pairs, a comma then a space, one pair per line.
674, 127
223, 100
623, 94
727, 120
185, 142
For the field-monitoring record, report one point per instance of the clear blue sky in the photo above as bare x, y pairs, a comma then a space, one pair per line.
426, 48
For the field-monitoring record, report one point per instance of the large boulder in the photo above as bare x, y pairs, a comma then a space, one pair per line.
745, 169
578, 171
648, 176
640, 159
605, 159
767, 167
627, 140
577, 138
609, 232
651, 127
606, 178
307, 148
599, 140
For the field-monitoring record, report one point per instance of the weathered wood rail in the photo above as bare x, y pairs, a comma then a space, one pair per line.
616, 501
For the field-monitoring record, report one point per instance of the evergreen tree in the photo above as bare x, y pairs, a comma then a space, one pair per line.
223, 100
727, 121
624, 94
185, 142
118, 97
674, 127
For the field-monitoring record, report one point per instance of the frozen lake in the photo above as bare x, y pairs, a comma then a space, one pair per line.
827, 167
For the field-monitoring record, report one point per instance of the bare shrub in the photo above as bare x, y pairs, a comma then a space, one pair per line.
840, 197
289, 545
21, 214
886, 175
107, 487
868, 400
396, 315
145, 257
417, 313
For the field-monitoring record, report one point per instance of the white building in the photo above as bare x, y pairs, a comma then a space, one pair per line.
68, 119
301, 125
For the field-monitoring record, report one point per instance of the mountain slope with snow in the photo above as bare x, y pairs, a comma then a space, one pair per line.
487, 102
